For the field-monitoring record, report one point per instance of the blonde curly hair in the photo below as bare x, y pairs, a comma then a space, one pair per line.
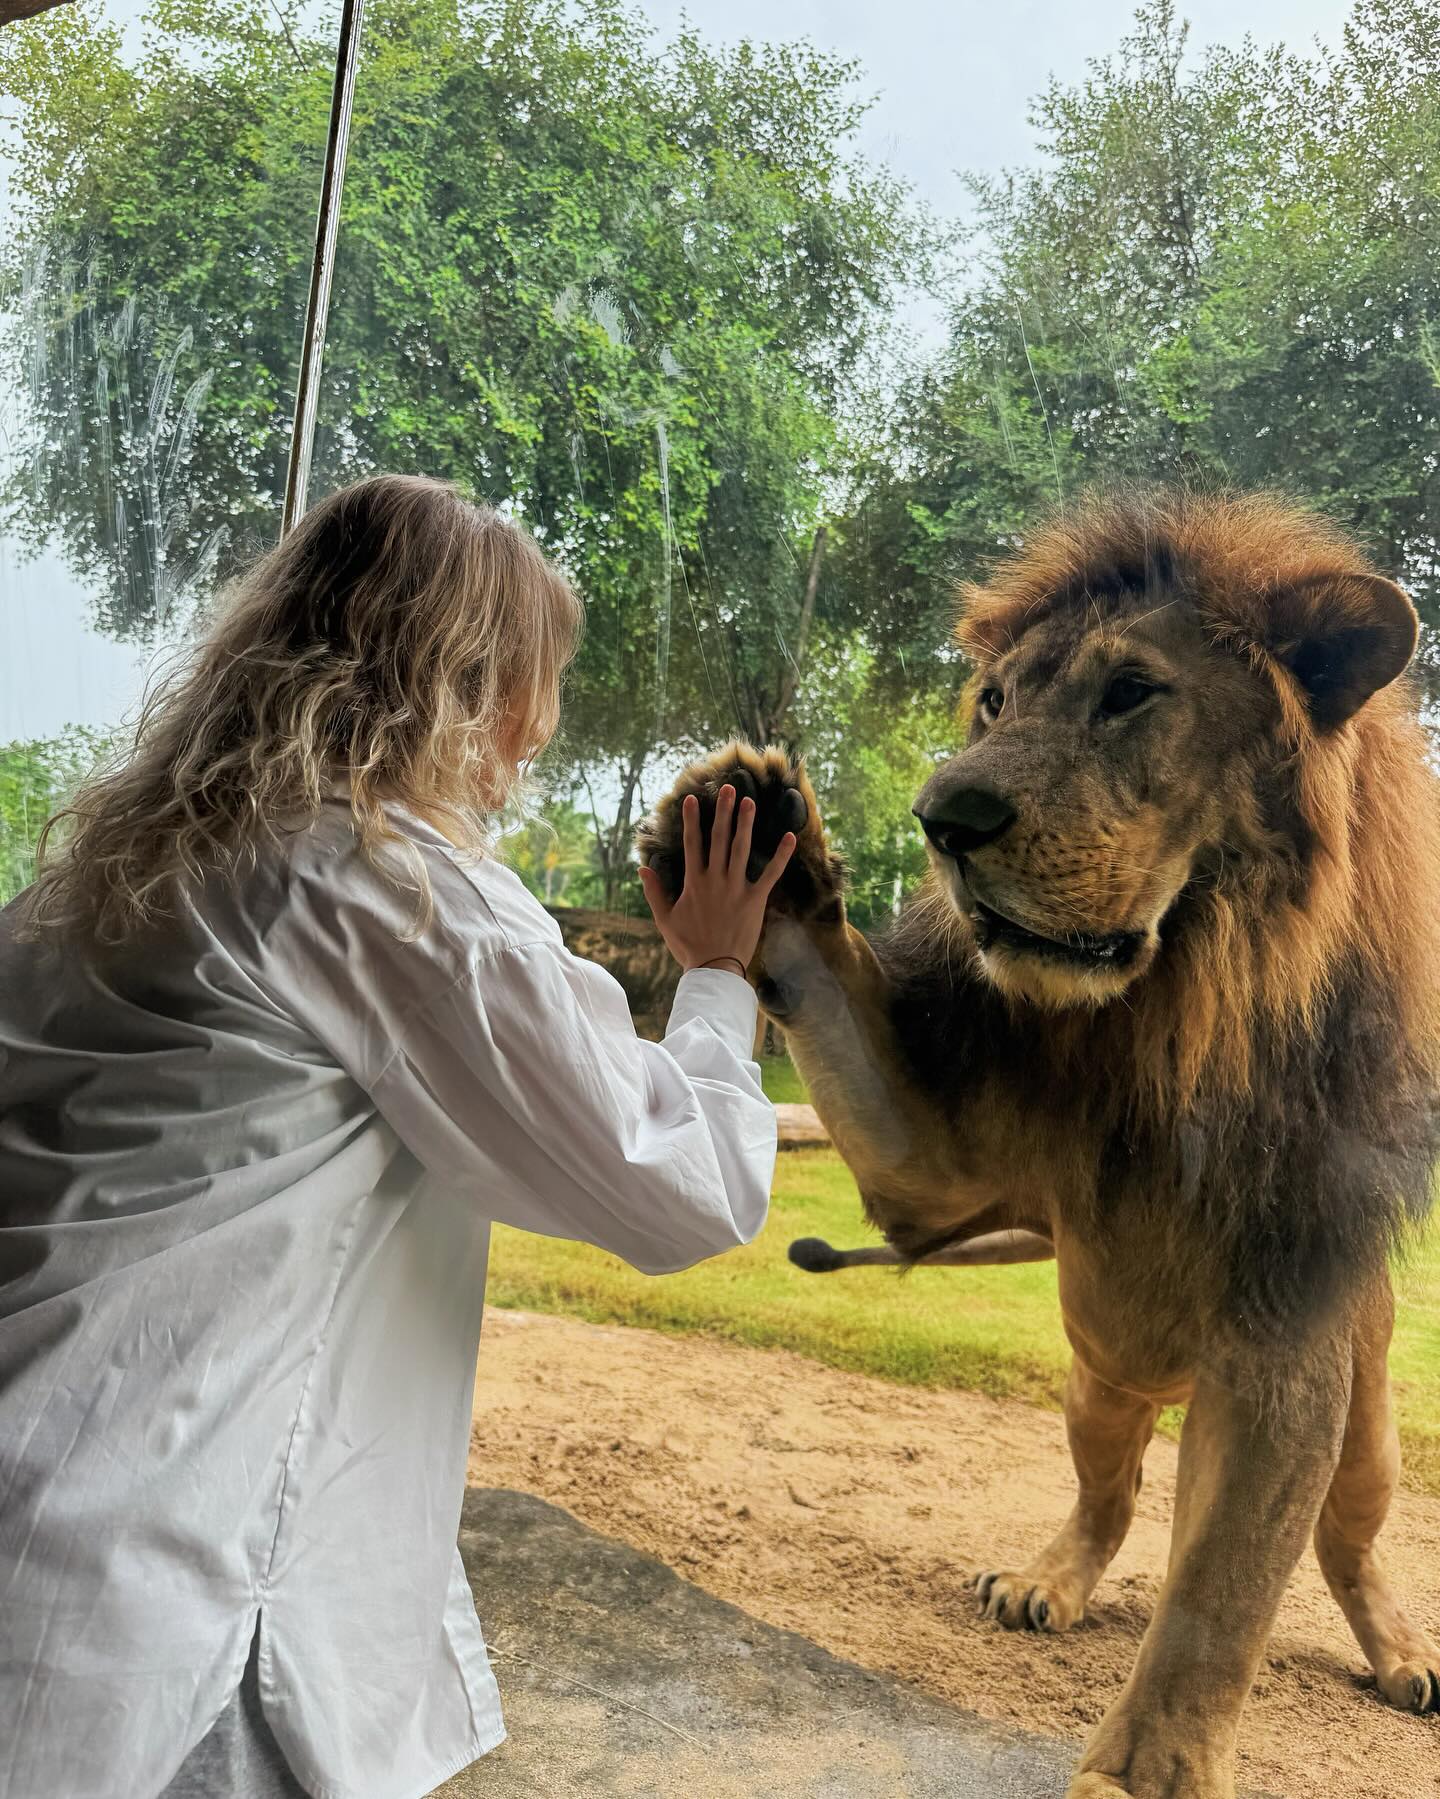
401, 639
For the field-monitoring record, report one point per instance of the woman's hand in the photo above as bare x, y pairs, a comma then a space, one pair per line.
718, 915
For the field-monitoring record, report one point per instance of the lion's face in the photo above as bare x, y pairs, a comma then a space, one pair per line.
1091, 791
1153, 676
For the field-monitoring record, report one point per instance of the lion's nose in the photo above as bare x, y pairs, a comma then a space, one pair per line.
958, 819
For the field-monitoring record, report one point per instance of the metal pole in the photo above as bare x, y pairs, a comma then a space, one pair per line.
327, 226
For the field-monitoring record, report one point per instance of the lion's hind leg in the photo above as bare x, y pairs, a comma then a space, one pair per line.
1405, 1660
1108, 1432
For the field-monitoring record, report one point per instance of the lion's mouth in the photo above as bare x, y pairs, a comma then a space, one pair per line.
1077, 949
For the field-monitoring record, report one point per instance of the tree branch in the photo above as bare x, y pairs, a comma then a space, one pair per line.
285, 27
602, 848
790, 679
11, 11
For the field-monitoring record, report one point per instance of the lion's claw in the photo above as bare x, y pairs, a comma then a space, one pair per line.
1413, 1688
1020, 1603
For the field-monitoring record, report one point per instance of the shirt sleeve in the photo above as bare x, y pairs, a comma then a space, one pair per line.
526, 1083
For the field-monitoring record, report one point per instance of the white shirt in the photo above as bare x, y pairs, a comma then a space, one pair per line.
246, 1179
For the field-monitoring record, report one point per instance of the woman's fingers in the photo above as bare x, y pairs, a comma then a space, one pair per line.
719, 912
654, 891
730, 833
740, 847
690, 833
775, 867
721, 829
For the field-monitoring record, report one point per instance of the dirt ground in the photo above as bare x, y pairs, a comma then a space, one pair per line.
853, 1510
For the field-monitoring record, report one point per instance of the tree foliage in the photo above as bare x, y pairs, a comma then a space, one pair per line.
553, 852
869, 750
35, 781
638, 293
1222, 267
618, 287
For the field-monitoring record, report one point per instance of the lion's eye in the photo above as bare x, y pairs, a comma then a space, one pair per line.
992, 704
1124, 694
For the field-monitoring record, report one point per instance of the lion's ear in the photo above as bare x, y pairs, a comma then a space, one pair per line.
1343, 641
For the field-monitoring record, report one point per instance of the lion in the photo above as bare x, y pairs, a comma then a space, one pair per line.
1167, 1007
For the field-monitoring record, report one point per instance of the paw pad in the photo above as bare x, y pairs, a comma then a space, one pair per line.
776, 785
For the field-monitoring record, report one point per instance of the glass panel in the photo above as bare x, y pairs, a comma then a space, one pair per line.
160, 177
743, 312
640, 288
775, 323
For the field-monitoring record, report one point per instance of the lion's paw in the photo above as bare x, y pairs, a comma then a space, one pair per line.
1020, 1602
1166, 1757
1177, 1782
1413, 1686
812, 886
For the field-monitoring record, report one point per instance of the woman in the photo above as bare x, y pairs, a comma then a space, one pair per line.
278, 1038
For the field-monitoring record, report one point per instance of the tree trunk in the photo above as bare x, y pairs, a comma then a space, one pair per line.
769, 720
612, 841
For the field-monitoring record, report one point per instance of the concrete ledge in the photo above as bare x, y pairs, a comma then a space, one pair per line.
621, 1678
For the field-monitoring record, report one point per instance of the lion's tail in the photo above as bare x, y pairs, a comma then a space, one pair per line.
816, 1256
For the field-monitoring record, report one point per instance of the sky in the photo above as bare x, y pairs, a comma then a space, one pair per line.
952, 79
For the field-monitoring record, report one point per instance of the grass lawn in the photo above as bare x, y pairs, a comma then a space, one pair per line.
782, 1083
1415, 1363
996, 1330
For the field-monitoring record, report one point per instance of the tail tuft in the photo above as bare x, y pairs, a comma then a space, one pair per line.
815, 1255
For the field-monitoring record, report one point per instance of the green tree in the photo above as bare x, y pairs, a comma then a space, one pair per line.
869, 749
1312, 357
165, 211
552, 849
621, 289
35, 780
1225, 266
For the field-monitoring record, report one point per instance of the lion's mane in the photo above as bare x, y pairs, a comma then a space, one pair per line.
1272, 1082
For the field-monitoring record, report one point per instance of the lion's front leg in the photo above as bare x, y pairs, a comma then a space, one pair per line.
1406, 1661
814, 974
1108, 1431
824, 986
1254, 1467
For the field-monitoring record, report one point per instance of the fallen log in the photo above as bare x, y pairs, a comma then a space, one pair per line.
800, 1128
